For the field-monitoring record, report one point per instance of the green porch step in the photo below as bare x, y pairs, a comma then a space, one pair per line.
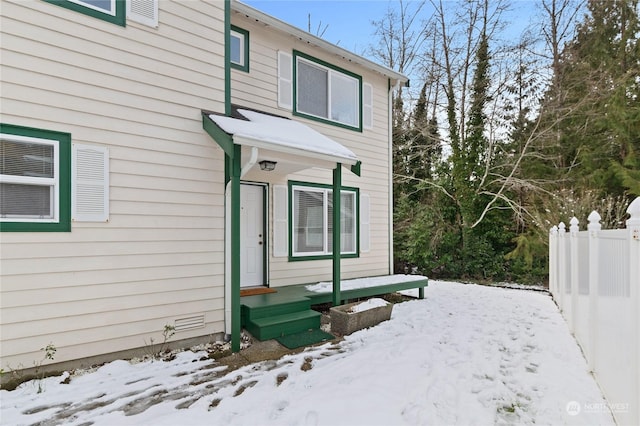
266, 328
255, 307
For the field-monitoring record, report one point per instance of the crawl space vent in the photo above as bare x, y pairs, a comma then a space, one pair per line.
189, 323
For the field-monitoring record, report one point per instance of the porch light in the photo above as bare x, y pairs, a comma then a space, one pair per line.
267, 166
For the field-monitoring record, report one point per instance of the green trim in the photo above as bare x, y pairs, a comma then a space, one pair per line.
227, 58
265, 234
356, 169
322, 257
320, 62
64, 180
228, 164
301, 258
245, 33
291, 298
336, 231
119, 18
236, 318
223, 139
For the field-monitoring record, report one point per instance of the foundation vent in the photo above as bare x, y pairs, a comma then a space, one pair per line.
189, 323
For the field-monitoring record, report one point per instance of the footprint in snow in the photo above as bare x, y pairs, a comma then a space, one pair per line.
278, 409
311, 419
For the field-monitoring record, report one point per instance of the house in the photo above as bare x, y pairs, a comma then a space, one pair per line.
157, 156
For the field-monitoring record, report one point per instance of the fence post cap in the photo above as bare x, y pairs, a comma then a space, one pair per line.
634, 212
561, 227
573, 225
553, 230
594, 221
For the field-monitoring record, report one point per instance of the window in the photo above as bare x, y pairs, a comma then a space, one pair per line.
108, 10
327, 93
312, 221
239, 48
35, 179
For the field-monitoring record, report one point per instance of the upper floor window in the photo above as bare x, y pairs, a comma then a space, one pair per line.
108, 6
326, 92
34, 179
113, 11
239, 48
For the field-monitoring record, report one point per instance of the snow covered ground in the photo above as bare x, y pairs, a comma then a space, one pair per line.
466, 354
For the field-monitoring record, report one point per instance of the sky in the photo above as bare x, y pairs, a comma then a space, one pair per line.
466, 354
348, 23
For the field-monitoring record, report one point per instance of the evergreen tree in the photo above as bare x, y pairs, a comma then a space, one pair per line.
599, 132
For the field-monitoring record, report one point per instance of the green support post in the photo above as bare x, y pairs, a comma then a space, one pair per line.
235, 250
337, 185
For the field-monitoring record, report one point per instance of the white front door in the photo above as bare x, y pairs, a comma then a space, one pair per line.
251, 235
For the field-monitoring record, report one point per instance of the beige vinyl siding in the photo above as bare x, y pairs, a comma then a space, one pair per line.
258, 89
106, 287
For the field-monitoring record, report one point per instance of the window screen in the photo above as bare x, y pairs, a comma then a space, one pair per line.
28, 179
344, 101
312, 90
308, 221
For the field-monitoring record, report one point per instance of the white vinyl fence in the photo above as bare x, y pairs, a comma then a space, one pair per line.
594, 277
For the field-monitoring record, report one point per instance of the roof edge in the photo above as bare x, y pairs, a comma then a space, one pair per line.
310, 38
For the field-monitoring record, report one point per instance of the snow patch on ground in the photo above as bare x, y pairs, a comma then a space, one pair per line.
368, 304
466, 354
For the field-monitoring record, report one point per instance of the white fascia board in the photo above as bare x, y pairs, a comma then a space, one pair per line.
317, 41
261, 144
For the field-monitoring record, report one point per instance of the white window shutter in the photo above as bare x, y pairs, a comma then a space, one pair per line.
367, 106
285, 80
90, 183
365, 223
143, 11
280, 221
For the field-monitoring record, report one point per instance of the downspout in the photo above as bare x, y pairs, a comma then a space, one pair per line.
227, 260
390, 131
249, 164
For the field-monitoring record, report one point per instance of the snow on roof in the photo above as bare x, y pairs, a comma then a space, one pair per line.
283, 132
327, 287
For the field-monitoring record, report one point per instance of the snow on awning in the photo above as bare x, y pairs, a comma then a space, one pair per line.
282, 135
